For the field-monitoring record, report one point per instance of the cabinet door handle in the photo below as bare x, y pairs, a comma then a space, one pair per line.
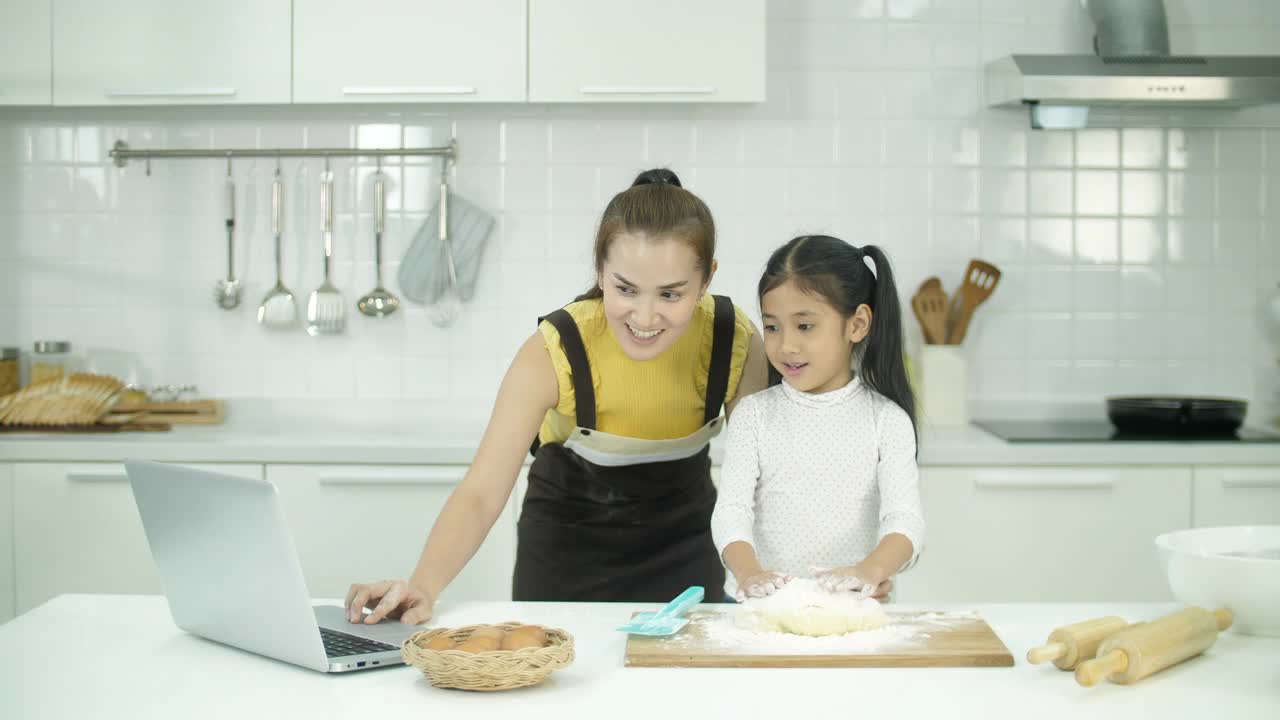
102, 477
408, 90
1251, 481
1020, 481
646, 90
416, 476
180, 92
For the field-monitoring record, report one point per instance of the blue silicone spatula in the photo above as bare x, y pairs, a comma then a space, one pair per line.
670, 619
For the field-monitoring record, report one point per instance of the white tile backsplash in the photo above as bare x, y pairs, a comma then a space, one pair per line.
1134, 259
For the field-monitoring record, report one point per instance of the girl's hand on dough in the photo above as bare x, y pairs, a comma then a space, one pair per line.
762, 584
863, 578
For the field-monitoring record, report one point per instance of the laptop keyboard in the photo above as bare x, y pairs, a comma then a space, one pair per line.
338, 644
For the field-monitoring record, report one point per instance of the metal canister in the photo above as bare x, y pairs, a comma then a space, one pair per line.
50, 360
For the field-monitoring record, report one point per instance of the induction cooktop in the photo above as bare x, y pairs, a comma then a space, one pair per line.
1103, 431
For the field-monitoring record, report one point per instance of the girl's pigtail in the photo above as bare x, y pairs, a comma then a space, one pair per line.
883, 368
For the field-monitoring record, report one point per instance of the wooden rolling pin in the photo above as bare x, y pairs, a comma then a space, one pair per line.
1070, 645
1146, 648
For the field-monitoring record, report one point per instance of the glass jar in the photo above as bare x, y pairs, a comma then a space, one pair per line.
50, 360
8, 370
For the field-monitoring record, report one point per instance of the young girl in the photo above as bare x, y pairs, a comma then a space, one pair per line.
819, 473
623, 389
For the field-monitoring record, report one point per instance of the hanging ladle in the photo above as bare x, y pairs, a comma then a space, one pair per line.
379, 302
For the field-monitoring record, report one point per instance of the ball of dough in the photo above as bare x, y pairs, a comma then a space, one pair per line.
523, 637
489, 631
479, 644
802, 607
440, 642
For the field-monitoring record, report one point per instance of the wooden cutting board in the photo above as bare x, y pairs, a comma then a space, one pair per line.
913, 639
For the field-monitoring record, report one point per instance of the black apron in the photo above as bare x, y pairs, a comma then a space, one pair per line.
609, 518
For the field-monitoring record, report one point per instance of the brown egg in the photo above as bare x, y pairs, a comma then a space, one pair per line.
479, 645
524, 636
441, 642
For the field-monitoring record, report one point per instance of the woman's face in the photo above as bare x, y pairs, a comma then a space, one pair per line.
807, 340
651, 287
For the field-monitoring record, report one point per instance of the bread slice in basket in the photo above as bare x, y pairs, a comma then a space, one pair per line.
75, 399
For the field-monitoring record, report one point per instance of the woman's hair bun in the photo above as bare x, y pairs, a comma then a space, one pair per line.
657, 176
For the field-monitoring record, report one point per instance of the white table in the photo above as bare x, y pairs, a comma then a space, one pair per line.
103, 656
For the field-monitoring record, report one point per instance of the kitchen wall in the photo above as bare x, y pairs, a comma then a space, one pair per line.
1135, 259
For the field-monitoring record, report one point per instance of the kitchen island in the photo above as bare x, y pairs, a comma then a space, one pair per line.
115, 656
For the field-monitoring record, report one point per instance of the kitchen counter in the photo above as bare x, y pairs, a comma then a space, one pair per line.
303, 432
105, 656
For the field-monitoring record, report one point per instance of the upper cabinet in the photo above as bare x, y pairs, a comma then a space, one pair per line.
160, 52
25, 53
408, 51
276, 52
652, 51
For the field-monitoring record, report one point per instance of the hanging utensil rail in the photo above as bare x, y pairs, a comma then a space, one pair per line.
121, 153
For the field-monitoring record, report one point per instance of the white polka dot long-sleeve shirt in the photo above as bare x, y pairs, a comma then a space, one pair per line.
817, 479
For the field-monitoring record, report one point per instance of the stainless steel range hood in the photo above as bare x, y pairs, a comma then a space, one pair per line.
1131, 68
1218, 81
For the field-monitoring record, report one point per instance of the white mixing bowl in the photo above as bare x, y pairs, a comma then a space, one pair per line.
1233, 567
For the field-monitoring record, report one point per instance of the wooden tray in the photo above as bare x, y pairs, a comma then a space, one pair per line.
192, 412
130, 426
947, 640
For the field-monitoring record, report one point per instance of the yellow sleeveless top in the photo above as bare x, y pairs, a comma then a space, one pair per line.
659, 399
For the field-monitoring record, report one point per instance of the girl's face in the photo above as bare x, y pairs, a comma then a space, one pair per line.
651, 287
807, 340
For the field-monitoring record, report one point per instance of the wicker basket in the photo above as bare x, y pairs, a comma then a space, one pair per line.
494, 670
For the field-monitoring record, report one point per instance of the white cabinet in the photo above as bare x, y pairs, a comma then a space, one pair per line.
160, 52
25, 67
409, 51
355, 523
1045, 534
1236, 496
6, 543
653, 51
77, 530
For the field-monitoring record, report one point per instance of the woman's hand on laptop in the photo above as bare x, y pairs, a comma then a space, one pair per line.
396, 599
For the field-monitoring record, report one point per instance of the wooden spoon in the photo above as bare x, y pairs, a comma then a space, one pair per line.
930, 306
980, 279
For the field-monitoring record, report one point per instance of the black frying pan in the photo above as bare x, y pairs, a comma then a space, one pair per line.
1176, 415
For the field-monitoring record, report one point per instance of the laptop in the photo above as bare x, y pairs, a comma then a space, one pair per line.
229, 569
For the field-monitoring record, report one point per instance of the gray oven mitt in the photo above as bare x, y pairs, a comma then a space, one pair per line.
424, 272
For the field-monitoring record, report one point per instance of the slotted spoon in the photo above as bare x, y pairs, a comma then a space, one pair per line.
325, 312
379, 302
980, 280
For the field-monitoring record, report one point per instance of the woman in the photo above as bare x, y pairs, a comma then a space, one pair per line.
621, 390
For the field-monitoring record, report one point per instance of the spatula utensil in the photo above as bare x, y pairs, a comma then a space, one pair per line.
278, 309
980, 279
930, 306
325, 312
670, 619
